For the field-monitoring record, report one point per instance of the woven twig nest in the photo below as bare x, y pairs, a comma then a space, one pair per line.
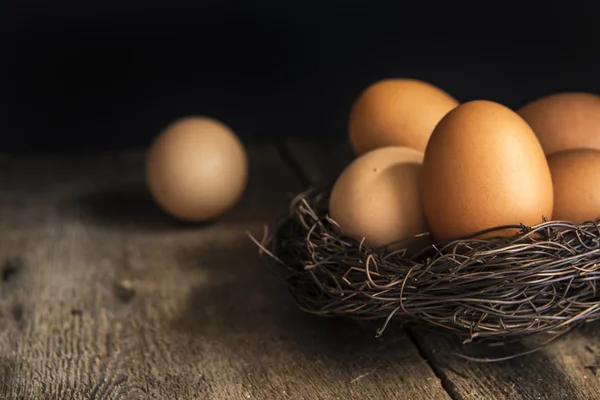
541, 280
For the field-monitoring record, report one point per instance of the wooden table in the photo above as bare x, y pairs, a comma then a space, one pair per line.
104, 297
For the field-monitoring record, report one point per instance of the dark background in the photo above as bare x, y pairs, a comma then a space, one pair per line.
89, 75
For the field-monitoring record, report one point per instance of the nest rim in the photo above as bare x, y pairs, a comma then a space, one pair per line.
541, 280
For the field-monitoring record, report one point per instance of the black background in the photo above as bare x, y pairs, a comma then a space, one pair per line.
94, 75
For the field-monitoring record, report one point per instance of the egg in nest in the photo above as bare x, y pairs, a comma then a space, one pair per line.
376, 198
397, 112
565, 121
576, 181
484, 168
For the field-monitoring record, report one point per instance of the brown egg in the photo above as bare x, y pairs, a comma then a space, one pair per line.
484, 168
576, 181
397, 112
565, 121
196, 169
376, 197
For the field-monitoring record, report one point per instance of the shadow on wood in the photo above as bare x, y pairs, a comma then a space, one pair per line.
519, 377
125, 206
246, 303
129, 206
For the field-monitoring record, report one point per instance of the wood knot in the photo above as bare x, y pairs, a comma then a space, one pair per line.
124, 291
10, 269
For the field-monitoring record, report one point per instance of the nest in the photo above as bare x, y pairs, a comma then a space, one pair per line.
541, 280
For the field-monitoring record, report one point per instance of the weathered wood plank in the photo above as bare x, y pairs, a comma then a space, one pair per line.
566, 369
104, 297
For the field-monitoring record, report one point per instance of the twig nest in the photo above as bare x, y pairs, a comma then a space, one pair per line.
543, 279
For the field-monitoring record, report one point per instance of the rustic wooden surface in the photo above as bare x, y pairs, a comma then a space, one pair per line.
104, 297
568, 368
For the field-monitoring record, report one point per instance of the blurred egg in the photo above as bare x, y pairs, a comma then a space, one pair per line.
484, 168
565, 121
376, 197
576, 181
196, 169
397, 112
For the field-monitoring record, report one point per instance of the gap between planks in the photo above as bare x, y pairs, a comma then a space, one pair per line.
325, 170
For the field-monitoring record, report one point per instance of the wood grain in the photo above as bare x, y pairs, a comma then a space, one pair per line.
104, 297
565, 369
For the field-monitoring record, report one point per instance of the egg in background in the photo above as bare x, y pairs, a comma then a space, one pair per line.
484, 168
565, 121
196, 169
376, 197
576, 181
397, 112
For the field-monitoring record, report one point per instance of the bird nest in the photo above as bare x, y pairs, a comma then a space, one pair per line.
541, 280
